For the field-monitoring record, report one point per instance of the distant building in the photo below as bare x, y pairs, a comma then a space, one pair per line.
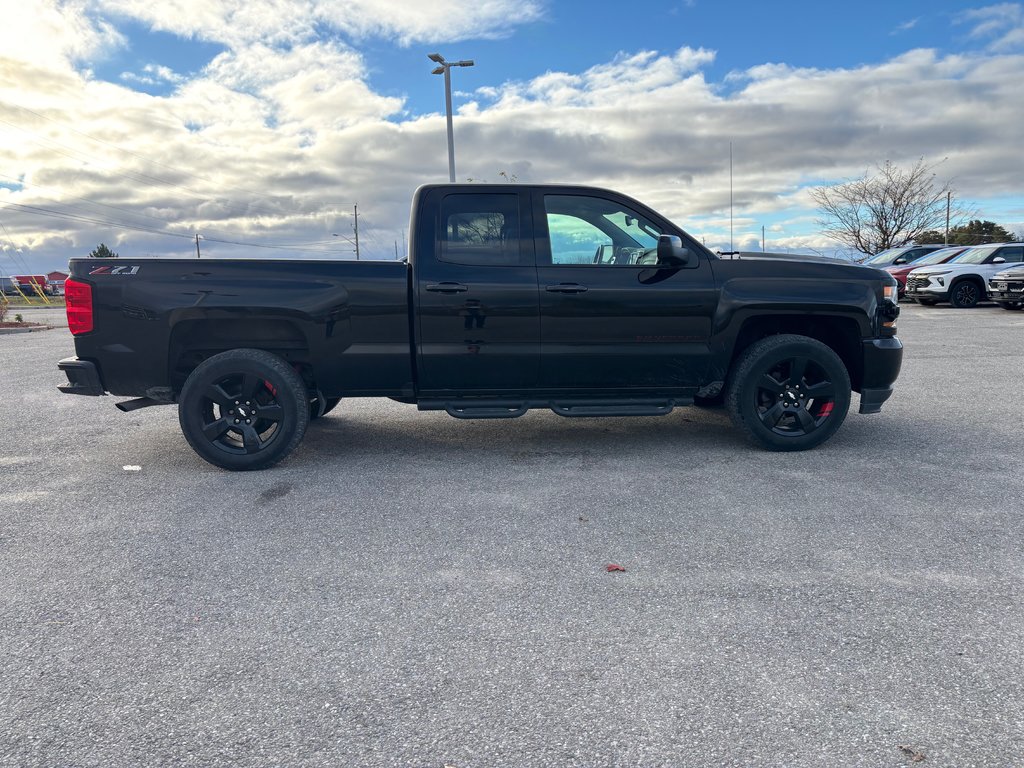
56, 281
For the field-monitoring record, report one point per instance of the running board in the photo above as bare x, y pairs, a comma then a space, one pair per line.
570, 408
612, 408
140, 402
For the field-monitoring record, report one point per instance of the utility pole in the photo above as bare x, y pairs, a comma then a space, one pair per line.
949, 197
405, 251
730, 197
762, 238
356, 225
396, 250
197, 245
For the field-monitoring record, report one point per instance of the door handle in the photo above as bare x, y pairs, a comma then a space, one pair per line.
566, 288
447, 288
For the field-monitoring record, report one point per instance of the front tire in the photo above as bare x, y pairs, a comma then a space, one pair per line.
965, 294
243, 409
788, 393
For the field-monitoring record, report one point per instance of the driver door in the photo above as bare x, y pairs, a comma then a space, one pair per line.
612, 318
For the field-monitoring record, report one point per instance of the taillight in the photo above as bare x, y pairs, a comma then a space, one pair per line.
78, 299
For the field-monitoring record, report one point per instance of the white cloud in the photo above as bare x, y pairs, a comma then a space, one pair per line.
906, 26
278, 22
1002, 25
51, 33
153, 74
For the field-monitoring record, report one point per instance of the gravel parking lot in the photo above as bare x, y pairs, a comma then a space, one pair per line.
413, 590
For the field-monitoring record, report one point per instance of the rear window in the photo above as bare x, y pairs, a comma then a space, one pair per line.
481, 229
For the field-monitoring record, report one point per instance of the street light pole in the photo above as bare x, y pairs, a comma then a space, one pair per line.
445, 69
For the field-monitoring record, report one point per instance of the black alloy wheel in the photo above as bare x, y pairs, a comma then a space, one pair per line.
789, 392
243, 409
965, 294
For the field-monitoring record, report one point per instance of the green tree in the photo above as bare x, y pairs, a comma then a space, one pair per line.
978, 232
931, 237
102, 252
893, 207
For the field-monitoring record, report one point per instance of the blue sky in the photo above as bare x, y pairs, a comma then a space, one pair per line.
572, 37
261, 124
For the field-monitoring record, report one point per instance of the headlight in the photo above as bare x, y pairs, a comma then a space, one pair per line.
936, 274
889, 310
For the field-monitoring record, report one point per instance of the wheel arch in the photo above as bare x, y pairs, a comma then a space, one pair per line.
194, 340
978, 280
841, 334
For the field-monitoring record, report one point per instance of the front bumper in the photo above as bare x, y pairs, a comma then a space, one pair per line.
997, 295
83, 377
883, 359
935, 293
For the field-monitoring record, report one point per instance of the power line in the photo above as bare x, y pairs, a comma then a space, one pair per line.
89, 220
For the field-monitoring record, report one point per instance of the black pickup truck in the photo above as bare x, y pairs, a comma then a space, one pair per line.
513, 297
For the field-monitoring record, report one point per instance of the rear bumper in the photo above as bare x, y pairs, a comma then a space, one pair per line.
83, 377
883, 359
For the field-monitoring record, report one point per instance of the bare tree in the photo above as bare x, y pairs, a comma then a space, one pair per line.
889, 209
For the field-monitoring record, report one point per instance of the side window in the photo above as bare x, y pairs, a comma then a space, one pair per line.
594, 231
1013, 254
575, 241
480, 229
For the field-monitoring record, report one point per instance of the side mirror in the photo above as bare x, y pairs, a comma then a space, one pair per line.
996, 260
899, 261
671, 251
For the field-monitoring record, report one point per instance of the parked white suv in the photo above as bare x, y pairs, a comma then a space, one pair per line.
962, 282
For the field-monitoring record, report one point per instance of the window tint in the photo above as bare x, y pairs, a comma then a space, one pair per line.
1012, 254
595, 231
480, 229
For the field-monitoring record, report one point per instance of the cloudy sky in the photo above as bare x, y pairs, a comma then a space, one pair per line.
261, 124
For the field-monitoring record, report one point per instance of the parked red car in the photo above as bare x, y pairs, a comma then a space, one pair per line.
940, 256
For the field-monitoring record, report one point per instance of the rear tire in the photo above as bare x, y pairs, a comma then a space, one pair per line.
243, 409
788, 393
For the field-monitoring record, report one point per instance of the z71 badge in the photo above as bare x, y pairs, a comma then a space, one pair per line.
115, 271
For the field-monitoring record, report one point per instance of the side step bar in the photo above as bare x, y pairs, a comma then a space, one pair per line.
578, 407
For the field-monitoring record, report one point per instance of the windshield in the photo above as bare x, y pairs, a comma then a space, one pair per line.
885, 256
974, 255
935, 257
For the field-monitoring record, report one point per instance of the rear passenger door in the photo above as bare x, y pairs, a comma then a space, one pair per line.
476, 291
